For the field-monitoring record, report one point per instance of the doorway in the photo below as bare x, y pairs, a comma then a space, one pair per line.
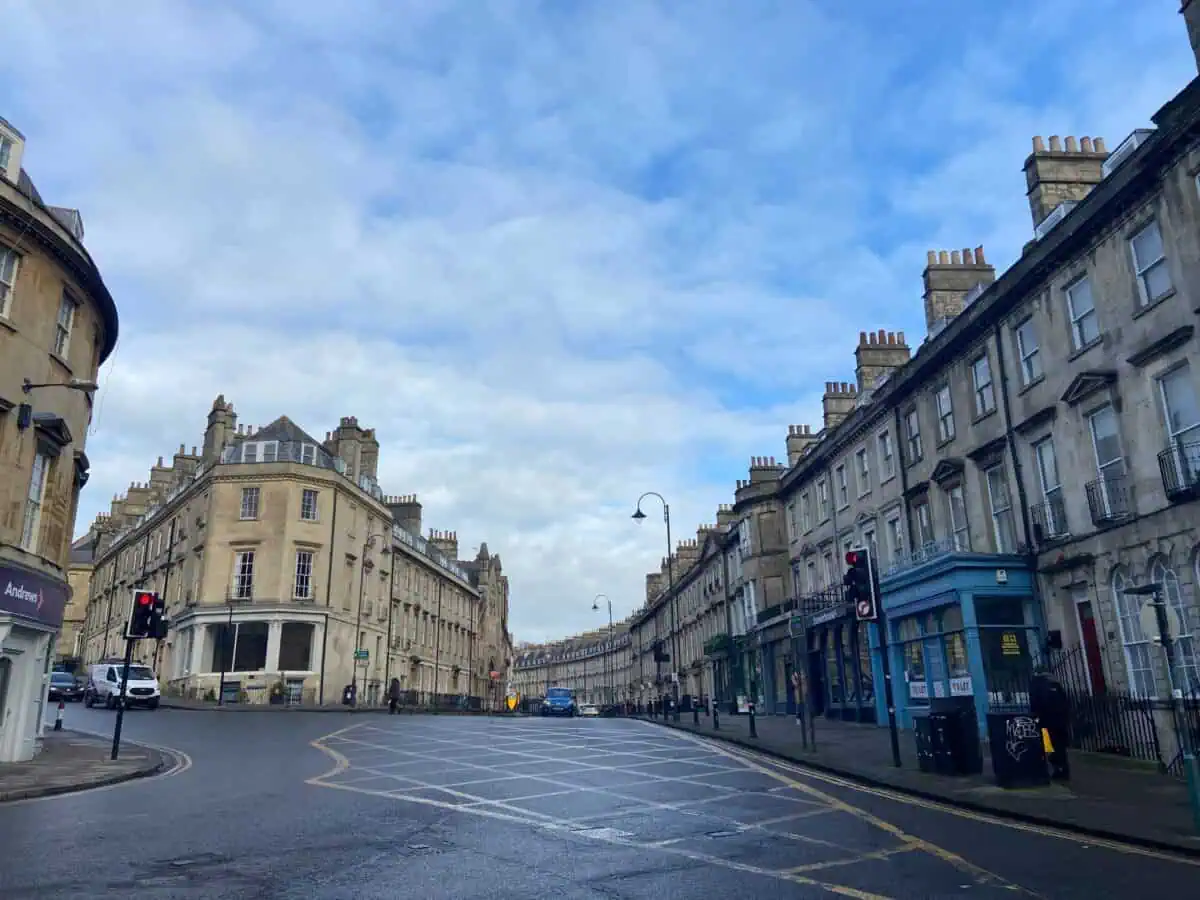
1089, 637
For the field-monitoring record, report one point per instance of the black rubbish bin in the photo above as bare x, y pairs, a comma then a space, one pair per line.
923, 735
1018, 755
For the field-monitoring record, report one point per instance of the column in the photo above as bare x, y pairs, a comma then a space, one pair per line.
274, 633
199, 635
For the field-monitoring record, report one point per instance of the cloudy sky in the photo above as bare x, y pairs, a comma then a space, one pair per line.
556, 253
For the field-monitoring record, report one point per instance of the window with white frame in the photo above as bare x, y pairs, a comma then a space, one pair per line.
250, 497
63, 325
1187, 648
956, 504
6, 146
871, 543
270, 451
1028, 352
895, 538
811, 573
912, 432
308, 454
1150, 264
1003, 526
1181, 412
806, 523
34, 501
830, 569
303, 589
924, 523
1139, 658
243, 575
1051, 485
822, 500
1085, 325
862, 471
887, 456
793, 529
945, 412
1110, 461
308, 505
8, 278
843, 488
744, 537
981, 384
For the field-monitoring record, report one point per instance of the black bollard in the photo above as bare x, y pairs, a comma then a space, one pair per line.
695, 715
716, 719
753, 727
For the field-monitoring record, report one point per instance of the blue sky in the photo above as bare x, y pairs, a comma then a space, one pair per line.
556, 253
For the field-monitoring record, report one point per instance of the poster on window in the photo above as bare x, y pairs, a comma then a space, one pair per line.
918, 690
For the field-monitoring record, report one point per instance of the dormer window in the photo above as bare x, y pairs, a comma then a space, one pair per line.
308, 454
6, 146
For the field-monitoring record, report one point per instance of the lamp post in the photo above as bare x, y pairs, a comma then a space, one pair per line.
638, 516
226, 662
608, 652
362, 584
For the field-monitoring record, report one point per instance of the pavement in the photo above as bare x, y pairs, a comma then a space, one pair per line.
500, 808
1106, 797
70, 761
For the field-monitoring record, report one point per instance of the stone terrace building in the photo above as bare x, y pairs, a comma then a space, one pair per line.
279, 557
58, 323
596, 668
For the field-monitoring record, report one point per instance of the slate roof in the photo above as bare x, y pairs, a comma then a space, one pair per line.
283, 430
83, 551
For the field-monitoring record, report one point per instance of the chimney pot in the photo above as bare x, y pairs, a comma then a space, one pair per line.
900, 337
979, 258
1085, 144
931, 256
1072, 145
1055, 144
1039, 145
943, 258
862, 339
1100, 148
967, 257
955, 258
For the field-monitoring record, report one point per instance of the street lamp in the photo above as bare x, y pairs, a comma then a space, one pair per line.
25, 411
362, 584
608, 652
226, 662
638, 516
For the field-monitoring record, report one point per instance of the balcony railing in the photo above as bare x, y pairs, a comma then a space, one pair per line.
805, 604
1180, 468
1110, 499
1050, 518
930, 550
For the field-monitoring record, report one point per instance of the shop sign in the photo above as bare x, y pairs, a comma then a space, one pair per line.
962, 687
1010, 645
829, 615
918, 690
33, 596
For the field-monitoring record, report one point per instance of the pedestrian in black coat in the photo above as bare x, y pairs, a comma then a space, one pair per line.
1049, 704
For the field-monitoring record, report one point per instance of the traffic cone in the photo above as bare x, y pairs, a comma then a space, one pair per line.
58, 718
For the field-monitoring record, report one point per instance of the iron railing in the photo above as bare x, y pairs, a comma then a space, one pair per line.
1050, 518
1179, 466
1110, 499
804, 604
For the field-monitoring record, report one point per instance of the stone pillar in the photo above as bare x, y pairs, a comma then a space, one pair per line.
274, 633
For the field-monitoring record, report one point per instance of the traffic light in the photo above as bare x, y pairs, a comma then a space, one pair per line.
860, 584
141, 616
158, 618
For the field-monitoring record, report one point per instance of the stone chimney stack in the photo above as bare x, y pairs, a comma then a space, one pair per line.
725, 515
356, 446
446, 541
838, 402
878, 353
406, 512
1063, 174
221, 424
370, 455
949, 276
799, 439
1191, 17
764, 468
654, 585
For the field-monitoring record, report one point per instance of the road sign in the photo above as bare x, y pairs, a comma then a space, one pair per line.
362, 654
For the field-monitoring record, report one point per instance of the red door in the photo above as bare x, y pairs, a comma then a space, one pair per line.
1091, 646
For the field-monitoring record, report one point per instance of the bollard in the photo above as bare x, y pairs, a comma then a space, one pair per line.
753, 727
59, 717
695, 715
716, 718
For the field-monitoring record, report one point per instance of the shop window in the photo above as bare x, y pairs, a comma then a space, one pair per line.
832, 670
851, 682
866, 677
911, 641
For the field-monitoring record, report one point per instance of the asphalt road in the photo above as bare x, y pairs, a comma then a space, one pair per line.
337, 806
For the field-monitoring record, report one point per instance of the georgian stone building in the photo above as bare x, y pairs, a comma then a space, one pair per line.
593, 665
58, 323
1036, 457
287, 571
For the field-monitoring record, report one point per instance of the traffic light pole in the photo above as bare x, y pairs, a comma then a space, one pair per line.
864, 593
888, 695
116, 744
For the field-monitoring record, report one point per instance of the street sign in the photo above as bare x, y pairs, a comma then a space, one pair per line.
362, 654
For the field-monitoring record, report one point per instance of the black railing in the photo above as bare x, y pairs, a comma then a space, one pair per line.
1050, 518
805, 604
1110, 498
1180, 469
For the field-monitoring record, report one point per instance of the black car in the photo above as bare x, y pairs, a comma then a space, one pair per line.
65, 686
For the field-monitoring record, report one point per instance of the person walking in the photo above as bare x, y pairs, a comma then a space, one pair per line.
1049, 704
394, 697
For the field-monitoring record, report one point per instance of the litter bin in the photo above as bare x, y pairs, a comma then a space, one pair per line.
1018, 756
923, 735
955, 741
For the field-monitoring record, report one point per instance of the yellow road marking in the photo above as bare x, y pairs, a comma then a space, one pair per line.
981, 874
972, 815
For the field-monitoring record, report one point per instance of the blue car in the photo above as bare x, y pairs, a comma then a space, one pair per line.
559, 702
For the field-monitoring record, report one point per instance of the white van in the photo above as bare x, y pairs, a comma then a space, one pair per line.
104, 685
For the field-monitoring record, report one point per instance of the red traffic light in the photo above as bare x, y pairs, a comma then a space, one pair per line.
851, 557
145, 599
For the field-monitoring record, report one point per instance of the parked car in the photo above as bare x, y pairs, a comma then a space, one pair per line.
590, 710
65, 686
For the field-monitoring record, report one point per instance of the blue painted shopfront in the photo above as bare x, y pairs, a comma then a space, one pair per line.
962, 628
840, 670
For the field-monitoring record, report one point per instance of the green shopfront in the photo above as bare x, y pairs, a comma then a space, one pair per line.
963, 628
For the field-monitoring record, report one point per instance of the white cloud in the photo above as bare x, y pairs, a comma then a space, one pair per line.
556, 257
